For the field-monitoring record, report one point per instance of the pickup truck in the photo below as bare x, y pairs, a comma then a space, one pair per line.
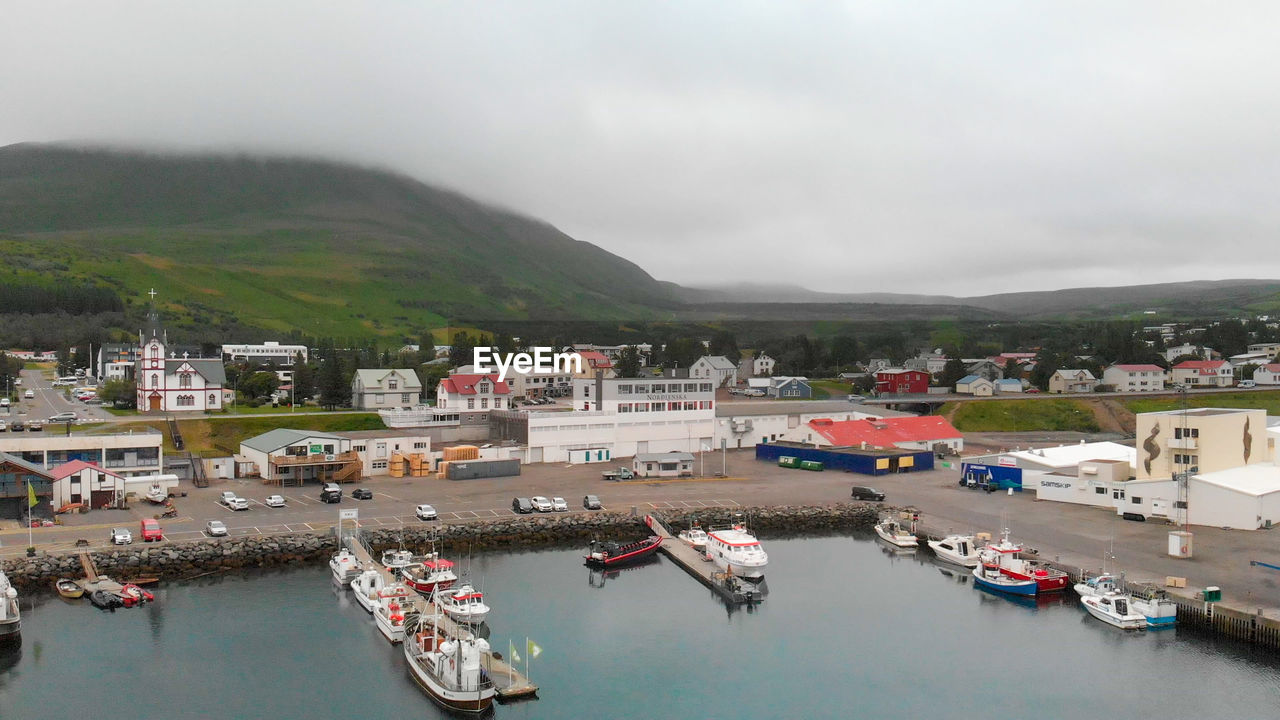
622, 473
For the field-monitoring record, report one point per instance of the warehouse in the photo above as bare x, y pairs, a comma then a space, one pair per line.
866, 462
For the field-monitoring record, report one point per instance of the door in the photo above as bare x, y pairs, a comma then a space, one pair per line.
99, 499
155, 403
1160, 506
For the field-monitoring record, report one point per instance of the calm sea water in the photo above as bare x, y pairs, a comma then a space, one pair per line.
848, 630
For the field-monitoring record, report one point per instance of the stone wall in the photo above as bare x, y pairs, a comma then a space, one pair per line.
175, 561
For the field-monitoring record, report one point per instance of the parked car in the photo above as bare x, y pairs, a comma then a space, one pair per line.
559, 505
521, 506
425, 512
34, 426
3, 426
17, 426
232, 501
121, 536
861, 492
540, 503
275, 501
4, 402
1248, 384
215, 528
591, 502
362, 494
66, 416
150, 530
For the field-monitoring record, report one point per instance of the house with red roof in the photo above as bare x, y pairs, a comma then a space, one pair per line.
928, 432
1204, 373
82, 482
594, 361
1135, 377
469, 391
1267, 374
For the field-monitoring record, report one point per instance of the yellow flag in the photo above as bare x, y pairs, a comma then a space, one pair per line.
31, 495
534, 650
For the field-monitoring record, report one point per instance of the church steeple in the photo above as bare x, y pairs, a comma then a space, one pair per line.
153, 329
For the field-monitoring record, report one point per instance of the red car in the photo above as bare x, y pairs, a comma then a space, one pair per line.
151, 531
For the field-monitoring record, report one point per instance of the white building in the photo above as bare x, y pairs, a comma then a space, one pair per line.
129, 454
762, 365
975, 385
644, 395
1269, 349
716, 368
378, 448
82, 482
294, 457
385, 387
1267, 374
1204, 373
1072, 381
1204, 353
670, 464
470, 391
535, 384
1070, 461
744, 424
267, 352
176, 384
1241, 498
1135, 378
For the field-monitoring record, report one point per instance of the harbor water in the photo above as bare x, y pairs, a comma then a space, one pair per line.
849, 629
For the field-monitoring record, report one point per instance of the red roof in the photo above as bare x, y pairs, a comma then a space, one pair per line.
1139, 368
75, 466
1272, 367
1206, 367
595, 358
466, 384
884, 432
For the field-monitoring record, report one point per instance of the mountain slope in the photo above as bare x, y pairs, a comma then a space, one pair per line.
287, 243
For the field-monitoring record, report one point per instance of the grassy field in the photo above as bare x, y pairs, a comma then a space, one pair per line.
223, 435
1268, 400
827, 389
1022, 416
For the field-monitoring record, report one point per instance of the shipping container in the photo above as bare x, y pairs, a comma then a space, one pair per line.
472, 469
788, 462
810, 465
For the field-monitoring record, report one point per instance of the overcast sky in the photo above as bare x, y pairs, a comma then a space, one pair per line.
958, 147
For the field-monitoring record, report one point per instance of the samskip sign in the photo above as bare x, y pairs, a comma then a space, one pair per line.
542, 360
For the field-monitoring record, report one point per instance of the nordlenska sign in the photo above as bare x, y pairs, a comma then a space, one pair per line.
542, 360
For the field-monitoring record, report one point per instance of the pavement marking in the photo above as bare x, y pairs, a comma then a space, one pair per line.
297, 499
385, 495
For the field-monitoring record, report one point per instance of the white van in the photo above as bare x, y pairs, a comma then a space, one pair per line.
1247, 384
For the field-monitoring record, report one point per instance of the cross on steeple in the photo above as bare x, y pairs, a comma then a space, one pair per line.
152, 294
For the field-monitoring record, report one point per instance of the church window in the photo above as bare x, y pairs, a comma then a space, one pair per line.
213, 399
154, 380
184, 380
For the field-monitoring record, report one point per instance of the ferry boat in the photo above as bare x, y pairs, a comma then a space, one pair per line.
366, 587
957, 549
1047, 579
695, 537
390, 605
609, 555
892, 532
991, 576
344, 566
465, 605
10, 616
1154, 605
735, 550
433, 573
449, 670
1114, 609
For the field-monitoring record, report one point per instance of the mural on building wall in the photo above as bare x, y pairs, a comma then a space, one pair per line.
1153, 450
1248, 441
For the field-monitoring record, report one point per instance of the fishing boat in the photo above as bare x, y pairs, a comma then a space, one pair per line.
989, 575
366, 587
157, 495
449, 670
10, 615
390, 605
1153, 604
892, 532
105, 599
735, 550
396, 559
465, 604
957, 549
695, 537
610, 554
1047, 579
431, 574
1114, 609
345, 567
132, 595
69, 589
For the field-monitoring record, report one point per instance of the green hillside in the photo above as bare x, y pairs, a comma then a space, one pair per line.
319, 247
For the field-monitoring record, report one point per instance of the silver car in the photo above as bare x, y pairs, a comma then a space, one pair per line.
540, 503
559, 505
121, 536
215, 528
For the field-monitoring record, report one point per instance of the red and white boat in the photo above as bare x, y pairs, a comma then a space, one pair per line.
433, 573
609, 555
1013, 565
132, 595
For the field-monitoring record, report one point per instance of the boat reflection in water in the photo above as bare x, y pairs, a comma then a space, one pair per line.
1033, 602
598, 576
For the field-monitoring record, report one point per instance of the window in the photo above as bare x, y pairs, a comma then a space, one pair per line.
705, 387
624, 389
1100, 491
484, 403
379, 398
393, 384
471, 403
658, 407
379, 464
642, 407
624, 407
404, 398
1180, 504
642, 389
213, 399
154, 380
658, 389
419, 446
497, 403
184, 380
1135, 500
586, 390
691, 387
358, 448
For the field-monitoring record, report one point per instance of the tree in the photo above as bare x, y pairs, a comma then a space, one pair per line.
64, 361
430, 376
426, 347
723, 343
628, 362
335, 385
952, 372
259, 384
461, 352
304, 380
1012, 370
119, 393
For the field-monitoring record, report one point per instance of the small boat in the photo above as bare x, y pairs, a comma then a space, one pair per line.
1154, 605
695, 537
892, 532
157, 495
735, 550
1114, 609
132, 595
449, 670
105, 600
10, 615
69, 589
397, 559
608, 555
957, 549
390, 606
989, 575
345, 567
1012, 563
465, 605
433, 573
366, 587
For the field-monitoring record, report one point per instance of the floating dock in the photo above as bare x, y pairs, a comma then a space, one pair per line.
732, 589
509, 682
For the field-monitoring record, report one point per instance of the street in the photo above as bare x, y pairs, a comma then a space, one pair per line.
49, 401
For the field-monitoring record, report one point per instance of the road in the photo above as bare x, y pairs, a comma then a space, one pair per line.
49, 401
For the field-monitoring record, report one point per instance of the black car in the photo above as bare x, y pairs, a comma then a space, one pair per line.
866, 493
17, 426
591, 502
362, 494
521, 506
331, 493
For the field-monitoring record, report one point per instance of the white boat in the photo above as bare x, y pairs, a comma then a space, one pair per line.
957, 549
736, 551
464, 604
449, 670
366, 587
10, 616
344, 566
390, 605
892, 532
428, 574
1115, 609
695, 537
397, 559
1158, 609
157, 495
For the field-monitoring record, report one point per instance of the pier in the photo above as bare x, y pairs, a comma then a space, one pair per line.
509, 682
731, 589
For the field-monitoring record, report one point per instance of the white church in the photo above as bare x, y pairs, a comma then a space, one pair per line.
175, 384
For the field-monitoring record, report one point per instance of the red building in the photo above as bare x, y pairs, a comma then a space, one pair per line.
898, 381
